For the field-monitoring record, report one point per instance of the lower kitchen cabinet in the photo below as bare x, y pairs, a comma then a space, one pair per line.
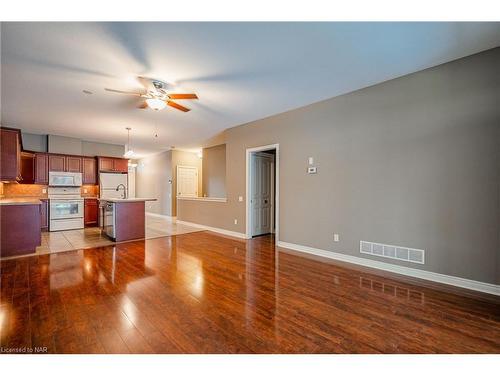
44, 214
91, 209
19, 229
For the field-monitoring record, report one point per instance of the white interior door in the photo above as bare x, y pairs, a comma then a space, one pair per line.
261, 203
187, 181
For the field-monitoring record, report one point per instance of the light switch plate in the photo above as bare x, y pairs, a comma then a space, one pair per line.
240, 199
312, 170
311, 160
44, 191
235, 221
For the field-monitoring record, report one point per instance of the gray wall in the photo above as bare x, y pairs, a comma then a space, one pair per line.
34, 142
152, 181
153, 174
214, 171
75, 146
102, 149
413, 161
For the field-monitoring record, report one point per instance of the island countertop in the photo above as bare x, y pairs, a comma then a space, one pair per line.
19, 201
126, 200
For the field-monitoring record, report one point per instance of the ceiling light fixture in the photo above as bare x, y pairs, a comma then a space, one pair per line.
128, 150
156, 104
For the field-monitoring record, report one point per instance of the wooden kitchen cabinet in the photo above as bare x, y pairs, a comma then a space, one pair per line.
73, 164
44, 214
19, 229
27, 168
57, 163
91, 209
107, 164
89, 176
10, 157
65, 163
41, 168
121, 165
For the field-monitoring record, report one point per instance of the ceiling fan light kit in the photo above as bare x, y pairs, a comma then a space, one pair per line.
156, 104
156, 97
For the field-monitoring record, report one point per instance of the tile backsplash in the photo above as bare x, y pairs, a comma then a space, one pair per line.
90, 191
12, 190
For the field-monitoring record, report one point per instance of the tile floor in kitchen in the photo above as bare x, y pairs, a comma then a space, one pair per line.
53, 242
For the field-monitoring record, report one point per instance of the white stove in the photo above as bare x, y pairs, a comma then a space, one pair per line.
66, 208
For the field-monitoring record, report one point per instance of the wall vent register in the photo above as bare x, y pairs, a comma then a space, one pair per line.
393, 252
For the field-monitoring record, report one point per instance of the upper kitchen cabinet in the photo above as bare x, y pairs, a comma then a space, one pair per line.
57, 163
27, 168
74, 164
41, 168
117, 165
106, 164
121, 165
10, 154
89, 171
65, 163
10, 167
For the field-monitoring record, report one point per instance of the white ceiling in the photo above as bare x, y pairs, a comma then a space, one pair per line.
241, 71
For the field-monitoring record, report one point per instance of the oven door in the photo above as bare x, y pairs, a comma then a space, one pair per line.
66, 209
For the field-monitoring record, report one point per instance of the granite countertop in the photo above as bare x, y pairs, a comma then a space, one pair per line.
127, 200
19, 201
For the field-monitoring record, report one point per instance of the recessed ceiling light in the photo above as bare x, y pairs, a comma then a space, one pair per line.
87, 92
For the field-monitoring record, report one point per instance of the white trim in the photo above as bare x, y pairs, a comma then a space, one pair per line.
203, 199
160, 215
276, 147
407, 271
214, 229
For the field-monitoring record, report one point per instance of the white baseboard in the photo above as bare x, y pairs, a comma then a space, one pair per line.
406, 271
160, 215
213, 229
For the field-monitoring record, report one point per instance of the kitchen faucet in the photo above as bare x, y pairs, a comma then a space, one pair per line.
124, 190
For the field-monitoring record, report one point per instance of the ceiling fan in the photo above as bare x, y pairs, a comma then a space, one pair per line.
156, 96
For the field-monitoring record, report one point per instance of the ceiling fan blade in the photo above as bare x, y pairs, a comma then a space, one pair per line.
143, 105
182, 96
123, 92
177, 106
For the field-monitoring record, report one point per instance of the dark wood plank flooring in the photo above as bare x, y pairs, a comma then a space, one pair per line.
206, 293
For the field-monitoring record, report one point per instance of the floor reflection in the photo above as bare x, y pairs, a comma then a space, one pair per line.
391, 290
206, 293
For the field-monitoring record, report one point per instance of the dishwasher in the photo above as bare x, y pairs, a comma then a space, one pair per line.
109, 220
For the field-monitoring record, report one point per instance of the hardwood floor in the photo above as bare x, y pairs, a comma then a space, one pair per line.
205, 293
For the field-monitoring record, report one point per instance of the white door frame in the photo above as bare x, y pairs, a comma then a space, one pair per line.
178, 179
276, 146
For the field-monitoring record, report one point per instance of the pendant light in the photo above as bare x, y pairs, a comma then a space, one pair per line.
128, 150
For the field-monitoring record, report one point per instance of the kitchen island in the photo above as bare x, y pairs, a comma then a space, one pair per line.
124, 219
20, 232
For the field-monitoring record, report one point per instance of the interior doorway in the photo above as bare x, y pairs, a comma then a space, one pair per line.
262, 191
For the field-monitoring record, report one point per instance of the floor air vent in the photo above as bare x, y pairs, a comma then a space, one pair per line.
394, 252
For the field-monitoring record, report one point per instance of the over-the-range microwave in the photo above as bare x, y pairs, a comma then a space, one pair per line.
65, 179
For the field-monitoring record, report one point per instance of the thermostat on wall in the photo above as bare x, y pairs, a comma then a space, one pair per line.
312, 170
